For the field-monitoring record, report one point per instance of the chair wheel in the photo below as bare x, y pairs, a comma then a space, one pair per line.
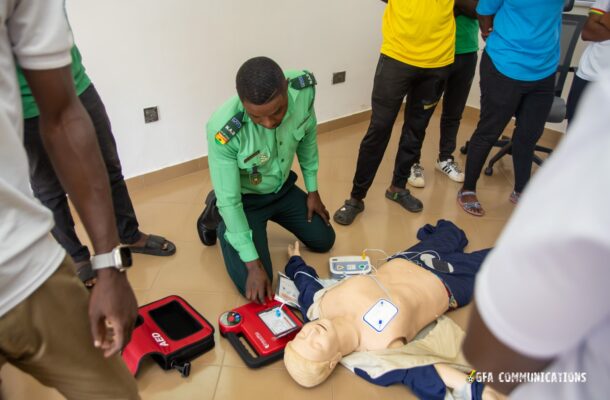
464, 149
489, 171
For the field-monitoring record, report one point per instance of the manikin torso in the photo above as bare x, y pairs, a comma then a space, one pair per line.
418, 294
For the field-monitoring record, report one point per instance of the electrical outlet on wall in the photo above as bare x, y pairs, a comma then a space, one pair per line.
338, 77
151, 114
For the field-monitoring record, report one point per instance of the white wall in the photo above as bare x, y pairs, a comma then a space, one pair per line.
182, 56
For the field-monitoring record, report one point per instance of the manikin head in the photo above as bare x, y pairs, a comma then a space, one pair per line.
263, 90
314, 353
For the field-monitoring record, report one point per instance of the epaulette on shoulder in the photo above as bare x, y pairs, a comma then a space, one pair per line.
230, 129
303, 81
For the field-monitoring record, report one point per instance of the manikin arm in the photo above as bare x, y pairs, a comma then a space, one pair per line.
304, 277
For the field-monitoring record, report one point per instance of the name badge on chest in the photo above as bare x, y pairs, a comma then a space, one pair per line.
255, 177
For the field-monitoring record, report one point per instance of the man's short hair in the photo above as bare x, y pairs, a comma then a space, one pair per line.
259, 80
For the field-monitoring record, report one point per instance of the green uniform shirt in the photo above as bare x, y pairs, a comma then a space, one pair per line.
466, 34
258, 160
81, 82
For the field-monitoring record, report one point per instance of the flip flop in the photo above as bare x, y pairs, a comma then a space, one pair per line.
347, 213
471, 207
155, 246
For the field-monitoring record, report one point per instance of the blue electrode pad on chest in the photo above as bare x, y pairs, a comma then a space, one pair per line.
380, 315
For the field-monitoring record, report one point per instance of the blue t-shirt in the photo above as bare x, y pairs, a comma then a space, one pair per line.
524, 43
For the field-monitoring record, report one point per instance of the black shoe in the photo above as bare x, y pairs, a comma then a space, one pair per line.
405, 199
208, 221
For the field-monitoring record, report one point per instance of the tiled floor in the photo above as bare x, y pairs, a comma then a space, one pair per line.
197, 273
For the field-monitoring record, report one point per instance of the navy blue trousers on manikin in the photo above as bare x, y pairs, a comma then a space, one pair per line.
444, 242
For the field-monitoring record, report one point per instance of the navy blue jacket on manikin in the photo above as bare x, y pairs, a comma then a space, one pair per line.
441, 251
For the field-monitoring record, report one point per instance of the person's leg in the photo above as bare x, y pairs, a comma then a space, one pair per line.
392, 79
48, 190
424, 94
457, 89
500, 97
259, 208
576, 90
48, 336
127, 222
531, 118
290, 212
257, 220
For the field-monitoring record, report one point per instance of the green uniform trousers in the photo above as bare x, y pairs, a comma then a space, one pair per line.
288, 208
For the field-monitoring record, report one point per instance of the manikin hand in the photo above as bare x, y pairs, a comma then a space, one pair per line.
294, 250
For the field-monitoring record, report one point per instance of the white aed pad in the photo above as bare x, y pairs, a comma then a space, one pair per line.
380, 315
286, 291
340, 267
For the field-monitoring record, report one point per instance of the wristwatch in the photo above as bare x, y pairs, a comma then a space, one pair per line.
119, 258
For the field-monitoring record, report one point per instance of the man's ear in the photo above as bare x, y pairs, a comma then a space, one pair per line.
335, 360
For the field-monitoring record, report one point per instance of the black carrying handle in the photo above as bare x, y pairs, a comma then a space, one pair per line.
252, 362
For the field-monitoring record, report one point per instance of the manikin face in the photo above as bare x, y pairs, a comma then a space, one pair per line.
317, 341
270, 114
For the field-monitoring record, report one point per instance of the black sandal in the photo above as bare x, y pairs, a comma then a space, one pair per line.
346, 214
405, 199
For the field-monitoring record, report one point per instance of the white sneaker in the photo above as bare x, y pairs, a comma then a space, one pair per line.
416, 178
450, 168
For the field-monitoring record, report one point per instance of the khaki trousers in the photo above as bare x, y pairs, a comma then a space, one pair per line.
48, 336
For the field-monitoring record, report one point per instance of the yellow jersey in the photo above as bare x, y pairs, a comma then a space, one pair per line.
419, 32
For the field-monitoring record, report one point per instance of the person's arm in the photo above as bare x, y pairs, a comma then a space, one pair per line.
69, 139
224, 172
486, 10
467, 7
597, 27
486, 353
307, 153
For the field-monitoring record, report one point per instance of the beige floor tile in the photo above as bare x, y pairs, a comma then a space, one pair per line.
184, 189
156, 384
244, 383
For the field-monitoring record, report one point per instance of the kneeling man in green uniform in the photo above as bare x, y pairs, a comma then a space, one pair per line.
252, 141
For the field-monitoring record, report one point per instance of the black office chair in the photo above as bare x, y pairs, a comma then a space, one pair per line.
571, 27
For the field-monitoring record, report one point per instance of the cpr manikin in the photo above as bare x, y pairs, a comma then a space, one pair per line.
384, 310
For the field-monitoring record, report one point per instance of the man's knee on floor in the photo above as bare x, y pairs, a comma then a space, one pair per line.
323, 242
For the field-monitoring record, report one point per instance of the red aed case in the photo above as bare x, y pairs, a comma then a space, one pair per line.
171, 332
267, 328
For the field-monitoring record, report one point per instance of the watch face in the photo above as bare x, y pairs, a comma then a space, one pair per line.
125, 253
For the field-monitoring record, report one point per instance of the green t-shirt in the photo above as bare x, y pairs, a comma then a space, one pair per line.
466, 34
81, 83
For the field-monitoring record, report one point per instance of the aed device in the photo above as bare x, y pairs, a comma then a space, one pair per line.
266, 328
340, 267
172, 332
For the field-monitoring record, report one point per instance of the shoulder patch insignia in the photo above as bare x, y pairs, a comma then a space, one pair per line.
230, 129
303, 81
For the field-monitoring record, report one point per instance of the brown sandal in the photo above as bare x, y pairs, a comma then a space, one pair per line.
471, 207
